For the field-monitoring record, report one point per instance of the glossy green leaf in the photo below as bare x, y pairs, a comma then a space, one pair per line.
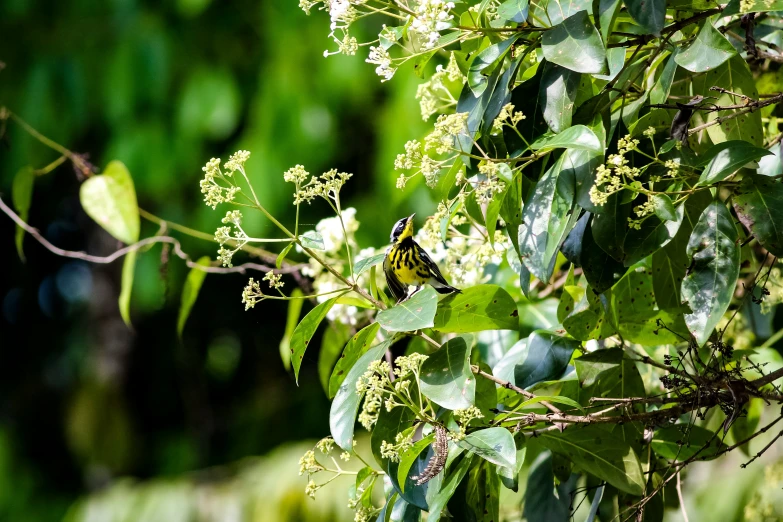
600, 269
335, 337
22, 197
606, 15
190, 292
513, 10
584, 317
715, 260
664, 208
414, 314
650, 14
477, 498
292, 319
450, 483
345, 406
475, 107
312, 239
421, 495
681, 442
495, 445
409, 456
727, 158
558, 95
478, 308
772, 166
446, 378
365, 264
543, 356
660, 90
356, 347
493, 54
709, 50
759, 206
559, 399
576, 44
608, 373
577, 137
670, 262
128, 271
610, 227
304, 332
602, 453
653, 233
545, 223
110, 200
282, 254
388, 426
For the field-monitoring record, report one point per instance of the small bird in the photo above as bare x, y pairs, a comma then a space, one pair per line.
407, 264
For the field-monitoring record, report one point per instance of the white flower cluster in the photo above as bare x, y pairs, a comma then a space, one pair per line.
385, 65
326, 186
611, 176
435, 95
214, 192
429, 18
236, 238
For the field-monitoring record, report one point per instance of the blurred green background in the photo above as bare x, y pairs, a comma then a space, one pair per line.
163, 87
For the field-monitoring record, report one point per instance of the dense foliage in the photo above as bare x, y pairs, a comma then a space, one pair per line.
609, 205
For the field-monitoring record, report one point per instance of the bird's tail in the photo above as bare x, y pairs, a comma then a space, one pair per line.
442, 288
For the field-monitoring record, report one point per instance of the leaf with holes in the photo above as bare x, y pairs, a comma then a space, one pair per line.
304, 332
446, 378
414, 314
715, 260
475, 309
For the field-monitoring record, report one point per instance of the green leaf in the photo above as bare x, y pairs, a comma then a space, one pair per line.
600, 453
282, 254
745, 426
734, 75
709, 50
559, 10
610, 227
575, 44
558, 95
414, 314
478, 308
727, 158
312, 239
475, 107
513, 10
550, 398
388, 426
664, 208
495, 445
759, 206
660, 91
477, 498
128, 269
22, 197
600, 269
345, 406
653, 234
609, 373
356, 347
584, 318
449, 486
336, 335
292, 319
670, 262
446, 378
577, 137
190, 292
543, 499
494, 54
545, 222
650, 14
304, 332
409, 456
365, 264
681, 442
715, 260
605, 15
110, 200
543, 356
772, 166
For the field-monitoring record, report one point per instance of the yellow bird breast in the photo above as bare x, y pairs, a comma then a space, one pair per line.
408, 268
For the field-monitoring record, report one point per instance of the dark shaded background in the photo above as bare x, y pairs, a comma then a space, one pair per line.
164, 86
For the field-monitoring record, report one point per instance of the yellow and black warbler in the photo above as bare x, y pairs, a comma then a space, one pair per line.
407, 264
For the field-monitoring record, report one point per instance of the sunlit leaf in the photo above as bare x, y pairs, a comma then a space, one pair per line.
312, 239
292, 319
543, 356
413, 314
727, 158
513, 10
495, 445
345, 406
450, 483
759, 206
110, 199
304, 332
356, 347
558, 95
575, 44
577, 137
409, 456
128, 271
707, 51
478, 308
365, 264
715, 259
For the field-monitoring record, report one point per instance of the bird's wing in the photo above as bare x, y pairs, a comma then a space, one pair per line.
434, 270
398, 290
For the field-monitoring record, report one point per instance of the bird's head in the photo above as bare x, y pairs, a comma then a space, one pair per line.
402, 229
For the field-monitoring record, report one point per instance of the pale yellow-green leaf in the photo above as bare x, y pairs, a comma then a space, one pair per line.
110, 199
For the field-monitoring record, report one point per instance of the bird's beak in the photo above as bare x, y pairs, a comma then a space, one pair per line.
410, 218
